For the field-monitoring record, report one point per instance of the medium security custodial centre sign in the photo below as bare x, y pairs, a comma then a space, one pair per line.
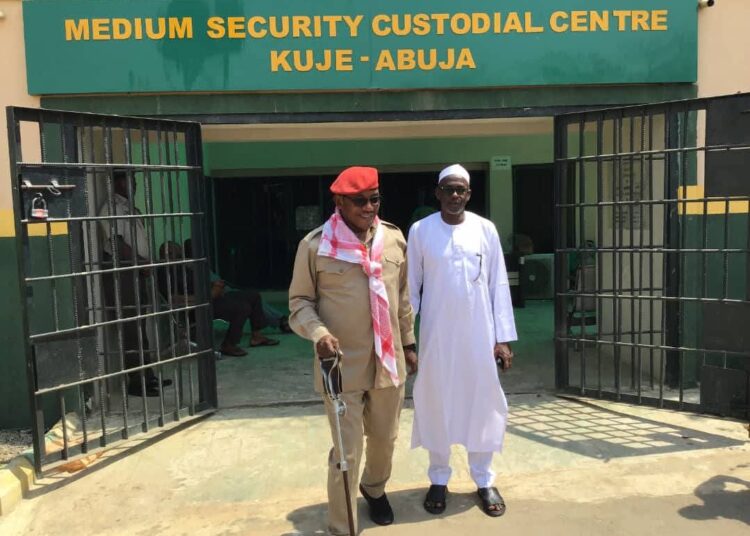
106, 46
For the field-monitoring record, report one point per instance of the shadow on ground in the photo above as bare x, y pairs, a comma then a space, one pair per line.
407, 509
724, 497
604, 434
571, 425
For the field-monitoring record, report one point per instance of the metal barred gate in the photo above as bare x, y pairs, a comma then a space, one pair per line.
652, 257
110, 228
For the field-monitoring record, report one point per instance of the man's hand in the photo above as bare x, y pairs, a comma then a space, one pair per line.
327, 346
411, 361
504, 355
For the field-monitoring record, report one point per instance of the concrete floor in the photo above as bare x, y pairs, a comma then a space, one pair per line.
283, 373
257, 466
569, 467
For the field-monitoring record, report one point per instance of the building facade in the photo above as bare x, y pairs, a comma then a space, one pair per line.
287, 96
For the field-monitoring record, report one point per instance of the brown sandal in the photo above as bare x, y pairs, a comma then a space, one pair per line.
232, 350
264, 341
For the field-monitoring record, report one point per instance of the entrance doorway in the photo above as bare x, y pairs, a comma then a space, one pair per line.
260, 221
534, 205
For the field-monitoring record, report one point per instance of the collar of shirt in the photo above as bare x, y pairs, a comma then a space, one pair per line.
124, 203
369, 236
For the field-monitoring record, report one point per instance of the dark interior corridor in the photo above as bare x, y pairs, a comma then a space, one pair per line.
260, 221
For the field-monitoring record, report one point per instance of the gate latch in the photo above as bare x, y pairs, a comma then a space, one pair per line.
54, 187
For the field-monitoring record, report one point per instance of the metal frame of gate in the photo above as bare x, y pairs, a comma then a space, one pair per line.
652, 259
107, 318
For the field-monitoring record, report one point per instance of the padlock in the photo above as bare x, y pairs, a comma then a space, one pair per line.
39, 208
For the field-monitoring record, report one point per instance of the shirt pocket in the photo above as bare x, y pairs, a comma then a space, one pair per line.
392, 265
475, 266
334, 274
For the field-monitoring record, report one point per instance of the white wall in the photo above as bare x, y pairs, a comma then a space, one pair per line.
12, 92
723, 45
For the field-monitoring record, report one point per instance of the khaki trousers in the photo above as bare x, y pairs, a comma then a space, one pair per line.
374, 414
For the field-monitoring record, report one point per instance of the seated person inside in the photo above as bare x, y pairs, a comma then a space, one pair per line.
233, 306
274, 318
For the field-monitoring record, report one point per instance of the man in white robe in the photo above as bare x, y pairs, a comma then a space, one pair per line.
459, 286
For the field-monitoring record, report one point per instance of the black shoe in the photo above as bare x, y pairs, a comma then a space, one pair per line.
154, 382
381, 512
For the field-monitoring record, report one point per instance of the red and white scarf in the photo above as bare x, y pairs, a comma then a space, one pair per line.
340, 242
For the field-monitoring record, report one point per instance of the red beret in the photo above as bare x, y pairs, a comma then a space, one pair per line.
354, 180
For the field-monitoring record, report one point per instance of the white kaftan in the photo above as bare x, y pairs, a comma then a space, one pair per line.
459, 286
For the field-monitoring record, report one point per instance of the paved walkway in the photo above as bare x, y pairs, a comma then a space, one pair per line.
570, 467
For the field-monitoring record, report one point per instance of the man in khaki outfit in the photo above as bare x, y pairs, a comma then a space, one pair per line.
349, 293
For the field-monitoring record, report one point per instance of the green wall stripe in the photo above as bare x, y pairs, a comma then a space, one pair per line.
14, 400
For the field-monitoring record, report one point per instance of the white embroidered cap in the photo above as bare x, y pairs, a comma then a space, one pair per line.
456, 170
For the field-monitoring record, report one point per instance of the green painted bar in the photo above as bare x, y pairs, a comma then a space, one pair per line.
14, 406
694, 274
14, 397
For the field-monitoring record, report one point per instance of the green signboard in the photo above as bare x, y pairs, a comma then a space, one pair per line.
106, 46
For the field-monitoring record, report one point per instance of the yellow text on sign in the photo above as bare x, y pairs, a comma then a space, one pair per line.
621, 20
380, 25
282, 27
120, 29
403, 59
422, 24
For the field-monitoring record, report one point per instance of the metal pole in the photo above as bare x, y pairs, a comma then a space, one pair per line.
339, 409
330, 368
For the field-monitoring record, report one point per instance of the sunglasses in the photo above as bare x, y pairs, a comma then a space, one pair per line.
450, 190
362, 201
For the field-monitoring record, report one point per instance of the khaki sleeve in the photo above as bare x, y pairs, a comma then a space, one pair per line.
303, 296
405, 311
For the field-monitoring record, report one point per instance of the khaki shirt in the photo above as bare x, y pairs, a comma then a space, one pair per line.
332, 296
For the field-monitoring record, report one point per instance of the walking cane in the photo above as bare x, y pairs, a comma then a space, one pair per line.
330, 368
